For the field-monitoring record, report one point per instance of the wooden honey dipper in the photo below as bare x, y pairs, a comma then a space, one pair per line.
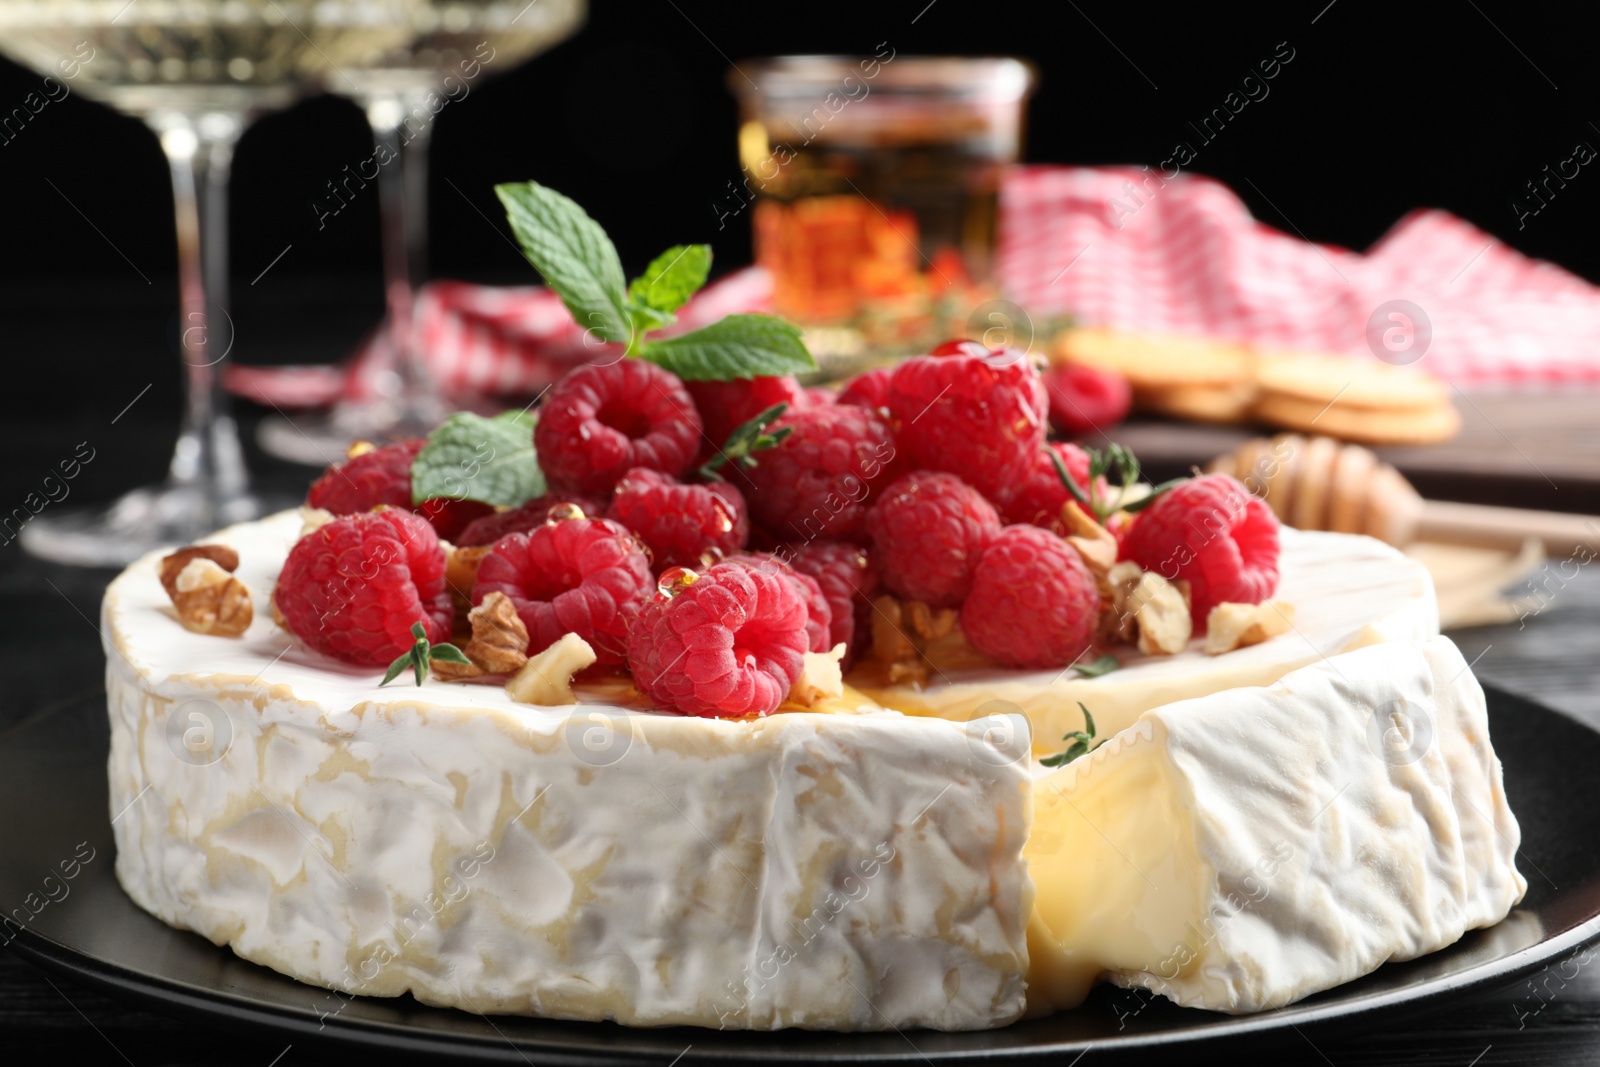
1319, 483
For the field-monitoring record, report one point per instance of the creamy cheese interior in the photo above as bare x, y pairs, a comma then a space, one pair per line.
1240, 851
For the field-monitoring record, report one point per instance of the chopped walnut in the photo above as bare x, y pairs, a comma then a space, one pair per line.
1230, 626
461, 573
499, 639
928, 624
820, 677
1117, 622
1093, 541
892, 646
208, 598
313, 519
1162, 612
546, 679
499, 642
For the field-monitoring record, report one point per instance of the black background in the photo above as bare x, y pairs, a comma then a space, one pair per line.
1384, 108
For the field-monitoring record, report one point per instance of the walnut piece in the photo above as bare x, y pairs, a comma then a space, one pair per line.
1117, 622
1230, 626
313, 519
1162, 612
208, 598
546, 679
461, 573
499, 639
1094, 542
821, 677
892, 646
499, 642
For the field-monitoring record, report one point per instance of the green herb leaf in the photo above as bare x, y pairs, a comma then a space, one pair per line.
738, 346
1150, 498
576, 258
746, 438
1095, 668
671, 279
1081, 743
469, 457
421, 655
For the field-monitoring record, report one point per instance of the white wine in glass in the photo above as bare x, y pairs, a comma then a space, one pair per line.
458, 43
197, 72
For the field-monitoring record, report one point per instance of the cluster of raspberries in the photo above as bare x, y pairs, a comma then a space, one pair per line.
932, 480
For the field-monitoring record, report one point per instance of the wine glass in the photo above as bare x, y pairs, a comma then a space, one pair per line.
197, 72
457, 43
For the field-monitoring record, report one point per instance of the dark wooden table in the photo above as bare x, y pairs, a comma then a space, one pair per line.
49, 653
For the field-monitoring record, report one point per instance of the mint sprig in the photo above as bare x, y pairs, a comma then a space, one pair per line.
1082, 743
469, 457
1118, 458
746, 438
421, 656
580, 264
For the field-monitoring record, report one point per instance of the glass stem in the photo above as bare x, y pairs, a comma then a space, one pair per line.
208, 456
403, 211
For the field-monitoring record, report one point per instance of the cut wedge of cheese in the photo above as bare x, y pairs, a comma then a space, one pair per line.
1240, 851
1347, 592
845, 872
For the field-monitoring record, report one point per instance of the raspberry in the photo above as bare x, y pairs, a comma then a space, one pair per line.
680, 522
730, 642
1033, 603
521, 519
725, 406
352, 589
820, 396
582, 576
598, 422
1036, 498
1083, 399
848, 579
927, 531
819, 481
869, 390
383, 476
1212, 533
981, 418
960, 347
819, 623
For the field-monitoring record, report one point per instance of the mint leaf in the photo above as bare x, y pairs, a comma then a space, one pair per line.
1095, 668
671, 278
572, 252
469, 457
738, 346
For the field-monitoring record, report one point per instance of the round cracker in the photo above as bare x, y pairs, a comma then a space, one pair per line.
1352, 475
1202, 403
1402, 426
1158, 361
1355, 382
1312, 484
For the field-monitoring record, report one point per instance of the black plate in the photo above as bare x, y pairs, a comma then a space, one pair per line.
53, 806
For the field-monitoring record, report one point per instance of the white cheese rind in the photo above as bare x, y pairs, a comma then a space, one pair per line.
1351, 814
1347, 591
843, 872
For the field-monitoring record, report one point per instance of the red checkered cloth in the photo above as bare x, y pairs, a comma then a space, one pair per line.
1115, 246
1111, 246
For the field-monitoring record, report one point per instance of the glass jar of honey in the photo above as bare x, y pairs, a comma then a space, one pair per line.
873, 184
